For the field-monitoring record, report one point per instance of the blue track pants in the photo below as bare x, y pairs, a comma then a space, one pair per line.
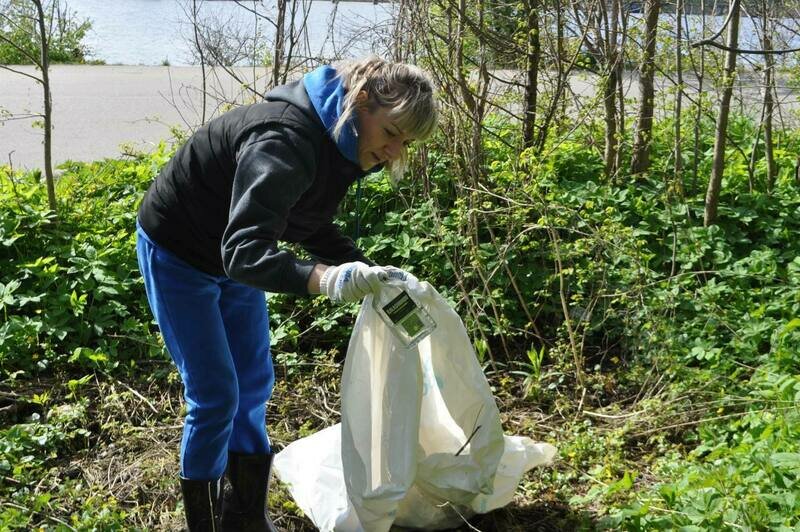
217, 333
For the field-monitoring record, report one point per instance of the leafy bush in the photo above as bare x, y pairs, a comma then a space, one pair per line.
19, 26
70, 292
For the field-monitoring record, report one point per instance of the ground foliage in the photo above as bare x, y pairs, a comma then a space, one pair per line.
686, 338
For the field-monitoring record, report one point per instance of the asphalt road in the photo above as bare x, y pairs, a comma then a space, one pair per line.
98, 110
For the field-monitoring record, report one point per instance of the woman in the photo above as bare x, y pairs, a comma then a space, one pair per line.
208, 233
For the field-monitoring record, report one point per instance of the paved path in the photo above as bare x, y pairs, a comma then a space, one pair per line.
97, 109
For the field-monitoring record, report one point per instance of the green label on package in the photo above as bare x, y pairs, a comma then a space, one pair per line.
412, 324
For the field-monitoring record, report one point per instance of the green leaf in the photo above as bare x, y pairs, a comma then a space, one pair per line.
6, 291
786, 460
623, 484
789, 327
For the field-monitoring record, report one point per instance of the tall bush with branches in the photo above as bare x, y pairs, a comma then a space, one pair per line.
37, 33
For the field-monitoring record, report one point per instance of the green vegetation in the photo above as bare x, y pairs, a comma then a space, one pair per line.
686, 339
19, 34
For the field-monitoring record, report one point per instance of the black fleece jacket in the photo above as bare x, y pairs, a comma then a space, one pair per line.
257, 175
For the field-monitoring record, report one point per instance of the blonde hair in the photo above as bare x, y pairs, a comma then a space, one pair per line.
405, 90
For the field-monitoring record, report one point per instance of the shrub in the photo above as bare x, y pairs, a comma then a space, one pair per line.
19, 26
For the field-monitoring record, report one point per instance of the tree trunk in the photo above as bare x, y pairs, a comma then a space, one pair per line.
678, 95
199, 46
402, 34
563, 74
558, 102
610, 93
624, 11
48, 106
277, 59
718, 166
769, 103
644, 126
532, 67
609, 102
701, 76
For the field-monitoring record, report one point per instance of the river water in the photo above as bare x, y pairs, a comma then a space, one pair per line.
155, 32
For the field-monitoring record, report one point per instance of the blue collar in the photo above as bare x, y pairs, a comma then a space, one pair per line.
326, 92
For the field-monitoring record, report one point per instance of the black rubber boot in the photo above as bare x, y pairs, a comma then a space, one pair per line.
201, 504
244, 504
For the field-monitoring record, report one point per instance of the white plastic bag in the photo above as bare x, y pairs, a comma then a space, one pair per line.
420, 444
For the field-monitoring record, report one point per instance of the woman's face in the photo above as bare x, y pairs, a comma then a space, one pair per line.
379, 139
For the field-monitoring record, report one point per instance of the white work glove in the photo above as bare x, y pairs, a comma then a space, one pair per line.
396, 274
351, 281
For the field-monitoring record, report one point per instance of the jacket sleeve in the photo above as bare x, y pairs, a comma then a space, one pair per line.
329, 246
272, 172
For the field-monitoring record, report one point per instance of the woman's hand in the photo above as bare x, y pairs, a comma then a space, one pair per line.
315, 278
351, 281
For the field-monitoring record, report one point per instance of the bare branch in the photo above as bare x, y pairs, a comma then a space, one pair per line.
34, 59
743, 51
10, 21
256, 13
27, 116
719, 33
21, 73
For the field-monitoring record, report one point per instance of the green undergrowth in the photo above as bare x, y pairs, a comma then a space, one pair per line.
671, 393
